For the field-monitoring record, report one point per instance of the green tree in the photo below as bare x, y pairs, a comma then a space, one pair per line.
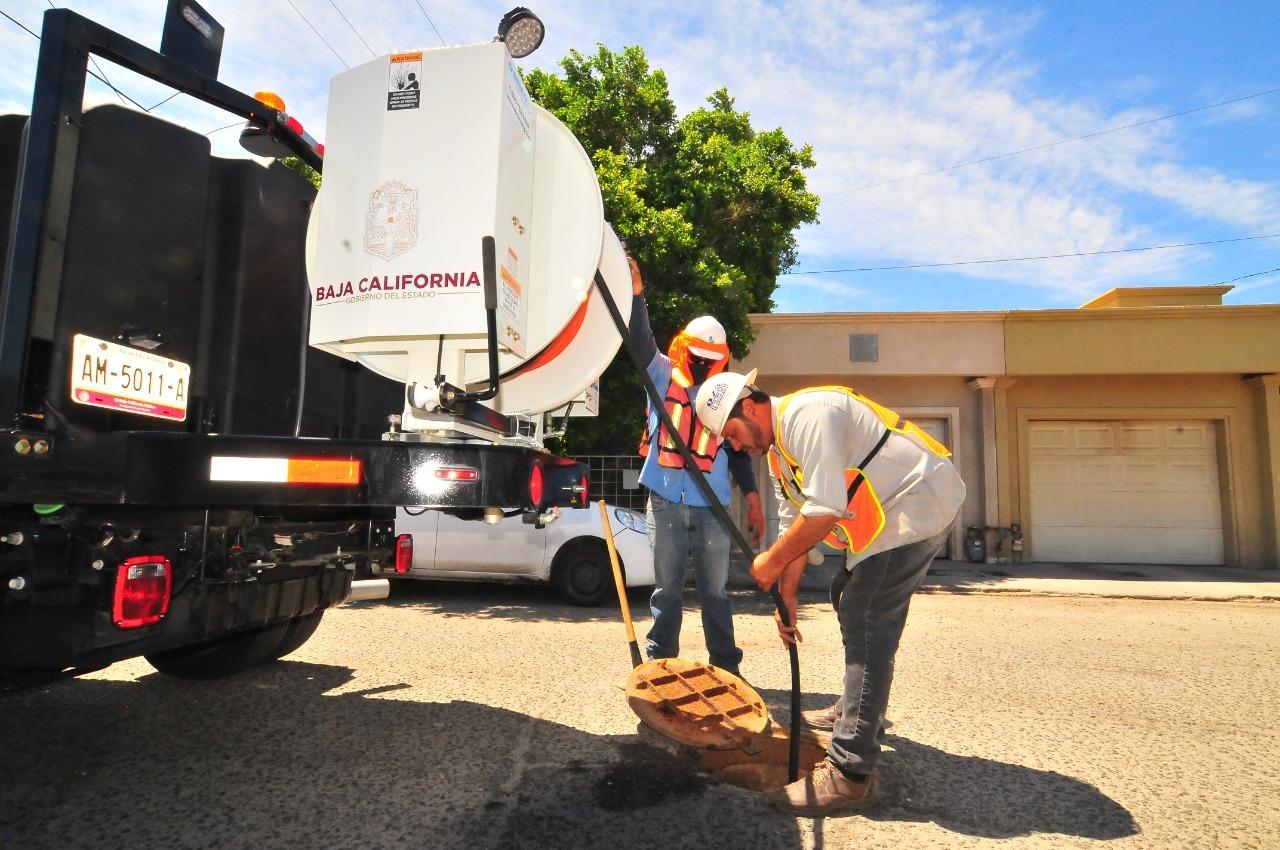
707, 204
294, 163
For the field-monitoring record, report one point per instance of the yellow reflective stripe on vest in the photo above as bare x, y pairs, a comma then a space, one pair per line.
892, 420
676, 411
860, 530
855, 532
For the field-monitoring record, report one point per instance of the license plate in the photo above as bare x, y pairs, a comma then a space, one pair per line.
106, 374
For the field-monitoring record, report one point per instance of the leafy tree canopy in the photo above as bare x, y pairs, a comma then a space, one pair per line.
707, 204
294, 163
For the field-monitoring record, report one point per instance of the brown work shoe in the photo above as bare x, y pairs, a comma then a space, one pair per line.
825, 720
827, 791
821, 718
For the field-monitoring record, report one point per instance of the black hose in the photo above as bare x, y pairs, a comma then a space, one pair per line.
735, 534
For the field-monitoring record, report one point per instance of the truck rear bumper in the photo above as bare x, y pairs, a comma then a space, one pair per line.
77, 636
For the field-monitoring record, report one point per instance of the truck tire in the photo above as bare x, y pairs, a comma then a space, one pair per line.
299, 631
582, 573
224, 656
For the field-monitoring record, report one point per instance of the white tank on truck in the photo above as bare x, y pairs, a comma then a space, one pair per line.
458, 242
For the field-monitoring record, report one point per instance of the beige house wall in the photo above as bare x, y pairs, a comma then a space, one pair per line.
1144, 341
963, 344
1202, 362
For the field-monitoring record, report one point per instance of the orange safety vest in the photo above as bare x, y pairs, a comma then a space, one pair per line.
701, 442
860, 530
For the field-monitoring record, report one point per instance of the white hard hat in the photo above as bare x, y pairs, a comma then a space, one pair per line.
718, 396
706, 329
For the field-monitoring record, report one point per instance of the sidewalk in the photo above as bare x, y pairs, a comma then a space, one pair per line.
1123, 581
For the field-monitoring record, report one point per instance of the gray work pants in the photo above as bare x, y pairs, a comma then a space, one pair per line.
871, 601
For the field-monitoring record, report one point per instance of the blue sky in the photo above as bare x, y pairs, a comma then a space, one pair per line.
882, 91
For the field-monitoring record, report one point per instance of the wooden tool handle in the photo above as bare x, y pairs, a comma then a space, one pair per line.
619, 583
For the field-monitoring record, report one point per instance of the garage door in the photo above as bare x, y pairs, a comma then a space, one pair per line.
1125, 492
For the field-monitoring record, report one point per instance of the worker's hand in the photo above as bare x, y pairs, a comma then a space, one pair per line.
789, 589
637, 282
755, 518
766, 569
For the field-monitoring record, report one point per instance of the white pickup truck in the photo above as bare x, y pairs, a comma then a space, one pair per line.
569, 552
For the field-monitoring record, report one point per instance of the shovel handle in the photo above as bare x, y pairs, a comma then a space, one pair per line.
636, 660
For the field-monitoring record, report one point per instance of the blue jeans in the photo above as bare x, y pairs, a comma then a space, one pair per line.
676, 532
871, 602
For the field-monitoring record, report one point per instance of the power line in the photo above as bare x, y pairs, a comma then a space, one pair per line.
18, 22
353, 29
317, 32
1042, 257
100, 77
433, 23
1052, 144
225, 127
1244, 276
166, 100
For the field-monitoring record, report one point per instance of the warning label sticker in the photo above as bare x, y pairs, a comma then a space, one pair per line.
404, 81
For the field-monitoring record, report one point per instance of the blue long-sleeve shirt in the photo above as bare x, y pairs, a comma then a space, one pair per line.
677, 485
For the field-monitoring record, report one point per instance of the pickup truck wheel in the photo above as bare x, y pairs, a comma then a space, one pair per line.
299, 631
582, 573
223, 657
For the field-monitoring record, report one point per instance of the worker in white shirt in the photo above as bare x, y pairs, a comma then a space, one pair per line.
857, 476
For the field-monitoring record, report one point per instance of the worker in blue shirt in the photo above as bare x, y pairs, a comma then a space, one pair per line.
681, 522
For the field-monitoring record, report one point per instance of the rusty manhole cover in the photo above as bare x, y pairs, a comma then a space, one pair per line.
697, 704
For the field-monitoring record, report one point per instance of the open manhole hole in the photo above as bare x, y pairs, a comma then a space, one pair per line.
767, 769
721, 719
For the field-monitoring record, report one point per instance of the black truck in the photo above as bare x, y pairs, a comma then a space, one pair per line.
181, 476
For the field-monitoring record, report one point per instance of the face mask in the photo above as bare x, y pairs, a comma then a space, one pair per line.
698, 370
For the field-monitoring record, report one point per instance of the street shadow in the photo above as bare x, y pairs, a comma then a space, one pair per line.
993, 799
538, 602
502, 601
289, 755
977, 796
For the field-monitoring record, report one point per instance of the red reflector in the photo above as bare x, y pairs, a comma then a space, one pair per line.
586, 490
404, 553
535, 486
320, 149
319, 471
143, 585
458, 473
294, 124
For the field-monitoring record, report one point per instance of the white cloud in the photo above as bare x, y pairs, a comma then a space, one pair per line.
910, 88
881, 90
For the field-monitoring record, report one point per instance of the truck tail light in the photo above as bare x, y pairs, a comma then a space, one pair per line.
535, 486
457, 473
143, 585
404, 553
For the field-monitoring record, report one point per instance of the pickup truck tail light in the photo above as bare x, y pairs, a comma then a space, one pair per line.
143, 586
404, 553
535, 486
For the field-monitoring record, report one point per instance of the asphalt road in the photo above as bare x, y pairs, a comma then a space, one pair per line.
485, 717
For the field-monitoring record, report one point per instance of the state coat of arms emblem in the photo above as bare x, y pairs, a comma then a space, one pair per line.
391, 222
